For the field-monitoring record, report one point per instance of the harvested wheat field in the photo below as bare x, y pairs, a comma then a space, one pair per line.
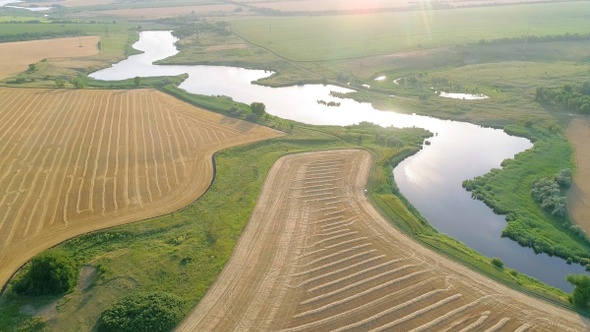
578, 133
316, 256
77, 161
15, 57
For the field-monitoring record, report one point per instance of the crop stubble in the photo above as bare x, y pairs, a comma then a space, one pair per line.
316, 256
15, 57
77, 161
578, 133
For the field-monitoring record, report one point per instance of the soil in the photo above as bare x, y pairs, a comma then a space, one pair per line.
316, 256
578, 133
15, 57
75, 161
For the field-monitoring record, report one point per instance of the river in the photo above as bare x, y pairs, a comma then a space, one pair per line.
430, 180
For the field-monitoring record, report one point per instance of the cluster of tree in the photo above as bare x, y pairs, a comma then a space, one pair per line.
574, 98
536, 39
549, 193
256, 111
20, 22
390, 141
195, 28
38, 35
411, 80
51, 273
153, 312
581, 295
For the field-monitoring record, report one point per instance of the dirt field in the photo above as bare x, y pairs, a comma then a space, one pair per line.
169, 11
578, 133
37, 50
73, 161
316, 256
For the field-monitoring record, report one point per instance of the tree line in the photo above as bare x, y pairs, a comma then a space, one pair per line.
573, 98
12, 37
536, 39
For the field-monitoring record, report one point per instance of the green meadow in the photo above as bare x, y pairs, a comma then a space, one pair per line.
321, 38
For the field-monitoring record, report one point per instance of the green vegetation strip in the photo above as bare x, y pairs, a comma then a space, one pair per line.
508, 192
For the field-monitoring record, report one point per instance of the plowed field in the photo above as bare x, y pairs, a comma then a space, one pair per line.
316, 256
76, 161
578, 133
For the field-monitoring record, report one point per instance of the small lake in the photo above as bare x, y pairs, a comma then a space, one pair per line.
431, 180
464, 96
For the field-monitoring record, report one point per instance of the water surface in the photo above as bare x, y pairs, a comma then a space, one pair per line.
465, 96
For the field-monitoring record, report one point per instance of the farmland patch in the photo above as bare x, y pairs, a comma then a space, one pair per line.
317, 256
77, 161
15, 57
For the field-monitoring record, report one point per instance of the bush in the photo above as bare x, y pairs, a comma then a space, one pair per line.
549, 193
581, 294
497, 262
51, 273
139, 312
258, 108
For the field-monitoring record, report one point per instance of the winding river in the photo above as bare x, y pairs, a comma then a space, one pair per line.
430, 180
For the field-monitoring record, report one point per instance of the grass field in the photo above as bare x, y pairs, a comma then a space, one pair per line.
77, 161
320, 38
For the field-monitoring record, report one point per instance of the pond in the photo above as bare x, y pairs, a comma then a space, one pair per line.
464, 96
431, 179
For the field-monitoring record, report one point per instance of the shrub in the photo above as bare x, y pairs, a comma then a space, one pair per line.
549, 193
497, 262
139, 312
51, 273
581, 294
258, 108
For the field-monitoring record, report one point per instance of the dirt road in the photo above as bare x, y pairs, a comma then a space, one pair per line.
578, 133
316, 256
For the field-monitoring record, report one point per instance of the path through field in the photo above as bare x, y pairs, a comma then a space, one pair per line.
316, 256
578, 133
77, 161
